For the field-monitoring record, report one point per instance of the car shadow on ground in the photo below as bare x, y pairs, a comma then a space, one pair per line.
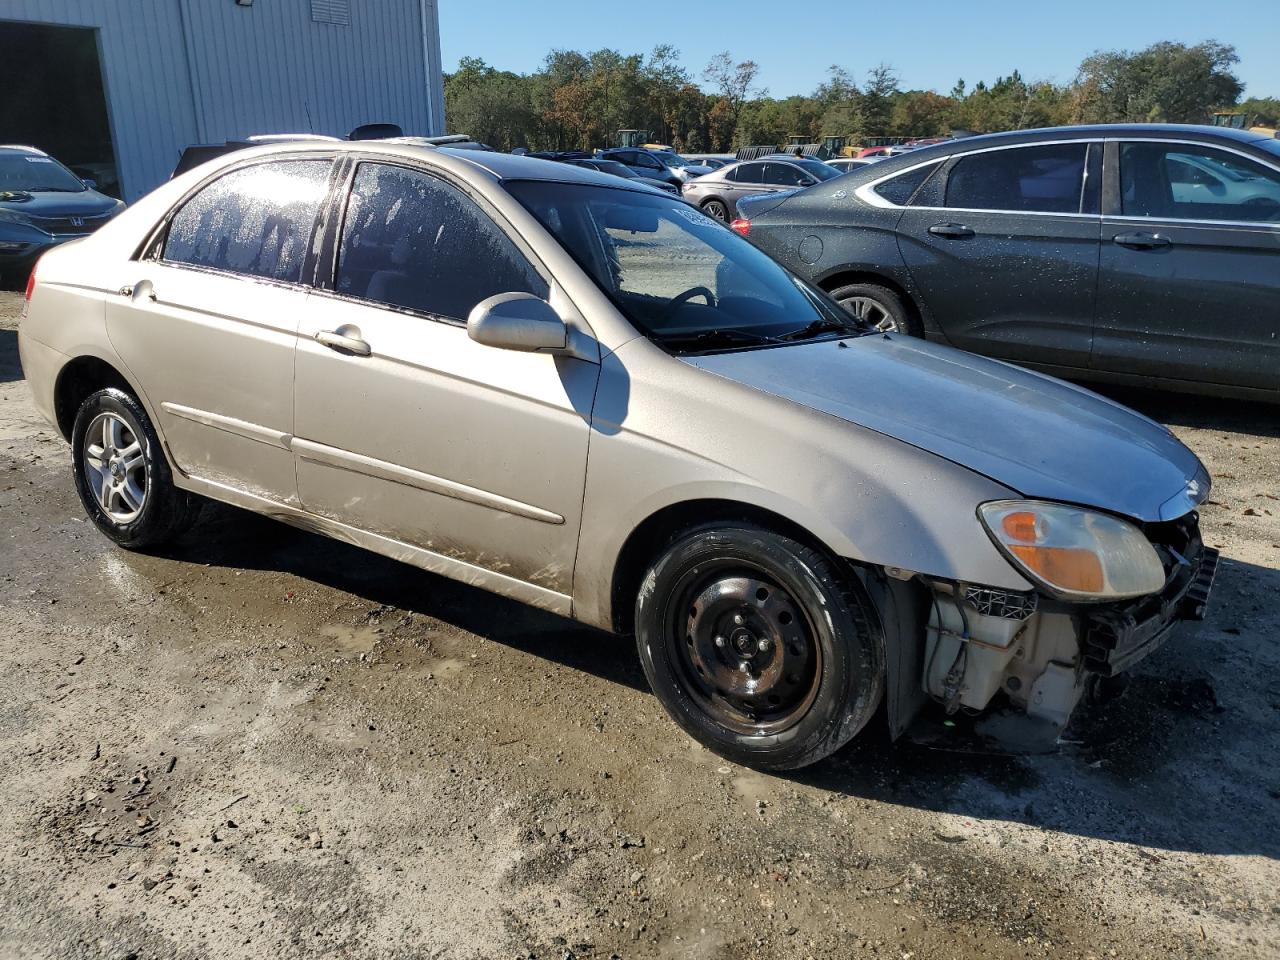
1149, 768
236, 539
1254, 417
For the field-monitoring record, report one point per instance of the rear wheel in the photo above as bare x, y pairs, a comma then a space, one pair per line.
717, 209
122, 476
879, 307
758, 646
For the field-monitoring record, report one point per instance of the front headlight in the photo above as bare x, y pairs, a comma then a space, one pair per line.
1073, 553
13, 216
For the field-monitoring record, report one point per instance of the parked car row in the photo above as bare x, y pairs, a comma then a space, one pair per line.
1142, 254
555, 384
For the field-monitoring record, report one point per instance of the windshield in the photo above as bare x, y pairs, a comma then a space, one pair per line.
683, 279
21, 172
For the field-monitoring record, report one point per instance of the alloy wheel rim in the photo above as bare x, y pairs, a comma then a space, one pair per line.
115, 467
717, 210
744, 650
872, 313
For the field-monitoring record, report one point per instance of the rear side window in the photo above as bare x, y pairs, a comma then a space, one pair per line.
783, 174
1047, 179
900, 189
411, 240
255, 221
748, 173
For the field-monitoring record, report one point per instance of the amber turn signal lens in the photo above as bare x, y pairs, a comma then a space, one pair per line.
1079, 571
1020, 526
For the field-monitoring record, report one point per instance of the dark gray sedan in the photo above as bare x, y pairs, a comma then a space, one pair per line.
1145, 254
717, 194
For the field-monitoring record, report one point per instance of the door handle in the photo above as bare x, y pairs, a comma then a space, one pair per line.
144, 287
954, 231
338, 341
1141, 241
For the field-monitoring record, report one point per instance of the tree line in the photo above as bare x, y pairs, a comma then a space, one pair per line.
580, 100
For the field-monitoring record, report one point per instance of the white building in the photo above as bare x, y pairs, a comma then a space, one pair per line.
117, 88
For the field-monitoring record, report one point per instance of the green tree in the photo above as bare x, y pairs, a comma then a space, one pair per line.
1165, 83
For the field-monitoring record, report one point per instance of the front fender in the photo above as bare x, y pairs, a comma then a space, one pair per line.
865, 496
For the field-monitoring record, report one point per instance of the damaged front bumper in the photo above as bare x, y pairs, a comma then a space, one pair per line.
1117, 637
1038, 653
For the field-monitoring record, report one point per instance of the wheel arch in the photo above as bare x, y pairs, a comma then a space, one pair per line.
80, 377
842, 278
652, 534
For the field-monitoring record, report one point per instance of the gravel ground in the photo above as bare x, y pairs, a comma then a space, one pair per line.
264, 744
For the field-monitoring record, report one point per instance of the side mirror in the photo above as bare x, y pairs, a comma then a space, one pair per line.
517, 321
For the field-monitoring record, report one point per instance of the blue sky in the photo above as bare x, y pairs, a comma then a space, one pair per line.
930, 43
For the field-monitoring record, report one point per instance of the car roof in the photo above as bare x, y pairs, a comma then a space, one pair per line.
1158, 131
496, 166
20, 150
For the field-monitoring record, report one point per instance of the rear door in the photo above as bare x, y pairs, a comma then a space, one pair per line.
746, 180
1003, 245
208, 321
1189, 287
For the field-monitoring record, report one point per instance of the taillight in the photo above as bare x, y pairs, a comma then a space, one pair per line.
31, 283
741, 226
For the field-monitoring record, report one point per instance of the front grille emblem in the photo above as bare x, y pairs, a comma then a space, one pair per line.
77, 221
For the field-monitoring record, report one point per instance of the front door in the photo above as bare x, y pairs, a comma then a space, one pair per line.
407, 428
209, 320
1003, 244
1189, 287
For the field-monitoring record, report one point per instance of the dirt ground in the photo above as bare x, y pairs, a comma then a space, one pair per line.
263, 744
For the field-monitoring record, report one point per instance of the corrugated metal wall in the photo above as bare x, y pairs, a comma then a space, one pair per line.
202, 71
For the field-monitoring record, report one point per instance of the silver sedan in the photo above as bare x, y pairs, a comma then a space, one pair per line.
593, 398
717, 194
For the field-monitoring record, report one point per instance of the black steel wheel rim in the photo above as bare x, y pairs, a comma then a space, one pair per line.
744, 650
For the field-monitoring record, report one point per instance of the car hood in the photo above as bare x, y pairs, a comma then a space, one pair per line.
1032, 433
86, 203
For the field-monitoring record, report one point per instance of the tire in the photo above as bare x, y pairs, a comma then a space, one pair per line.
717, 210
881, 306
807, 634
144, 508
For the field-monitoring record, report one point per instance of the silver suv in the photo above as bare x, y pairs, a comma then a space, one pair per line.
593, 398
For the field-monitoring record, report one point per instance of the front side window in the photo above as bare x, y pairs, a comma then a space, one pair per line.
644, 160
1178, 181
411, 240
255, 221
680, 277
1043, 179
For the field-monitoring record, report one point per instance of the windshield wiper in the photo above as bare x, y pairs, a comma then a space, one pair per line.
825, 325
710, 339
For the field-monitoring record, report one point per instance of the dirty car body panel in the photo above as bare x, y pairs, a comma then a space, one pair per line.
337, 362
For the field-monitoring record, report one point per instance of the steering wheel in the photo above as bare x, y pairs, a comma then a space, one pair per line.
680, 299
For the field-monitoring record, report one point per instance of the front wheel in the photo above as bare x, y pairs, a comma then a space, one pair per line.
122, 476
759, 646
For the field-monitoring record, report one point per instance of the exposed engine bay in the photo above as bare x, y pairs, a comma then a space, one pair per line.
1040, 652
